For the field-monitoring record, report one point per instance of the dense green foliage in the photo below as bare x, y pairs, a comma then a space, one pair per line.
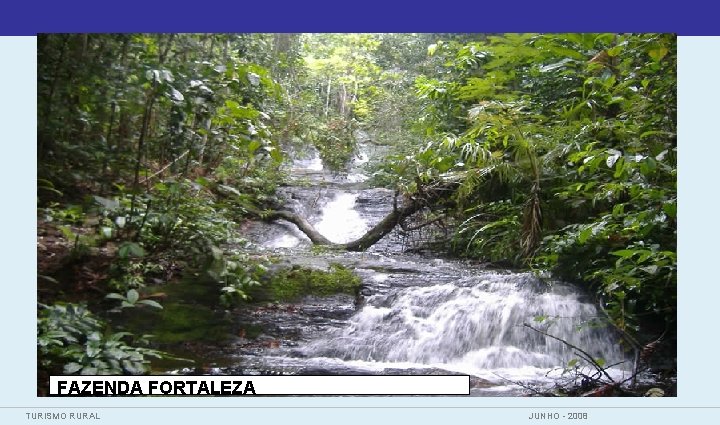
129, 125
71, 337
565, 149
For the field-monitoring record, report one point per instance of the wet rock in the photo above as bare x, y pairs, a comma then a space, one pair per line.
331, 371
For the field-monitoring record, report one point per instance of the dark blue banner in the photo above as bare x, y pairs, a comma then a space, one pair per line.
690, 17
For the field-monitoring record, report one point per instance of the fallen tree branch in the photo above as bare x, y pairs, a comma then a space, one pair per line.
165, 167
579, 350
527, 387
372, 236
399, 213
421, 225
300, 222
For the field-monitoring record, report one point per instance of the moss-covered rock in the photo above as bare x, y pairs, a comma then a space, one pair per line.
297, 282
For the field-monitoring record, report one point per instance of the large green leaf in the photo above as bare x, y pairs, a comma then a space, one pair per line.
151, 303
71, 368
132, 296
130, 249
107, 203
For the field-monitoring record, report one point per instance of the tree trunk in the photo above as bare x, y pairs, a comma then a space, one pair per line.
327, 97
429, 195
141, 146
207, 125
45, 141
372, 236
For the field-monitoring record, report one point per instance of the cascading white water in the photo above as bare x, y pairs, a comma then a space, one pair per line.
474, 325
312, 163
356, 175
340, 222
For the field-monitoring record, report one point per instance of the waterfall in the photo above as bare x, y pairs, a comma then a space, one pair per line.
419, 312
340, 222
473, 325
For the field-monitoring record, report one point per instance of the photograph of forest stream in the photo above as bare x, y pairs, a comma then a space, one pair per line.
495, 205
